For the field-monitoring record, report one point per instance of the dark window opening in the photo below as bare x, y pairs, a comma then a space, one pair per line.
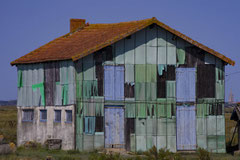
171, 74
206, 81
57, 116
194, 56
28, 115
99, 124
109, 53
51, 76
131, 125
68, 115
43, 115
215, 109
129, 90
161, 82
128, 37
89, 125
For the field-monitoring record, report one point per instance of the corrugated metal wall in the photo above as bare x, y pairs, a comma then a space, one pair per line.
150, 58
46, 84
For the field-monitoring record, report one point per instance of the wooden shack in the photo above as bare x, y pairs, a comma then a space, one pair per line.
131, 85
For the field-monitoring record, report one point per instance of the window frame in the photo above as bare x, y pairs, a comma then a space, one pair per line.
41, 115
66, 114
24, 112
55, 116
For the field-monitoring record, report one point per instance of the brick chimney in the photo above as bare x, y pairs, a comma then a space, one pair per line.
76, 24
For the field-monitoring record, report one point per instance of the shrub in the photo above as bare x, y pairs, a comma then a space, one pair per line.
203, 154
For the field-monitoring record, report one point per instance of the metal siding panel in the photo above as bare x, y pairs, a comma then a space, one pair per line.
109, 82
209, 59
186, 128
162, 46
129, 50
151, 45
140, 91
181, 55
171, 89
171, 49
119, 83
129, 73
119, 52
192, 84
140, 73
114, 127
88, 68
151, 70
140, 50
185, 84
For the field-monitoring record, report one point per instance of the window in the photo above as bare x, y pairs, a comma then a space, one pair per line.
206, 81
89, 125
57, 116
99, 124
69, 116
43, 115
27, 115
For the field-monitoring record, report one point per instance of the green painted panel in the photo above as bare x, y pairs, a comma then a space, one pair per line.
220, 125
220, 89
79, 142
171, 126
162, 127
99, 141
140, 126
99, 104
202, 141
151, 91
132, 142
201, 126
171, 143
221, 144
161, 107
89, 108
129, 50
141, 143
88, 142
151, 70
151, 124
89, 89
130, 110
161, 142
211, 125
140, 73
212, 143
141, 110
151, 109
180, 51
151, 141
171, 89
140, 91
88, 68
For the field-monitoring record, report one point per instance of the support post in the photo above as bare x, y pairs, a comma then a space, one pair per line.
238, 135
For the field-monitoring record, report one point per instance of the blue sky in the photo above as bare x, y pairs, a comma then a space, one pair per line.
26, 25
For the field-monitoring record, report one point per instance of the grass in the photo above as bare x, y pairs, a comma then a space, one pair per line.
8, 122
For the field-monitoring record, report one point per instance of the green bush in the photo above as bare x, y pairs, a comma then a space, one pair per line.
203, 154
161, 154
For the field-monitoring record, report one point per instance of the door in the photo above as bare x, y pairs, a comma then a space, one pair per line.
186, 128
185, 84
114, 82
114, 127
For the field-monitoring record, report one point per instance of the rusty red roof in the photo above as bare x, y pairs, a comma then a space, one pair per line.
94, 37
